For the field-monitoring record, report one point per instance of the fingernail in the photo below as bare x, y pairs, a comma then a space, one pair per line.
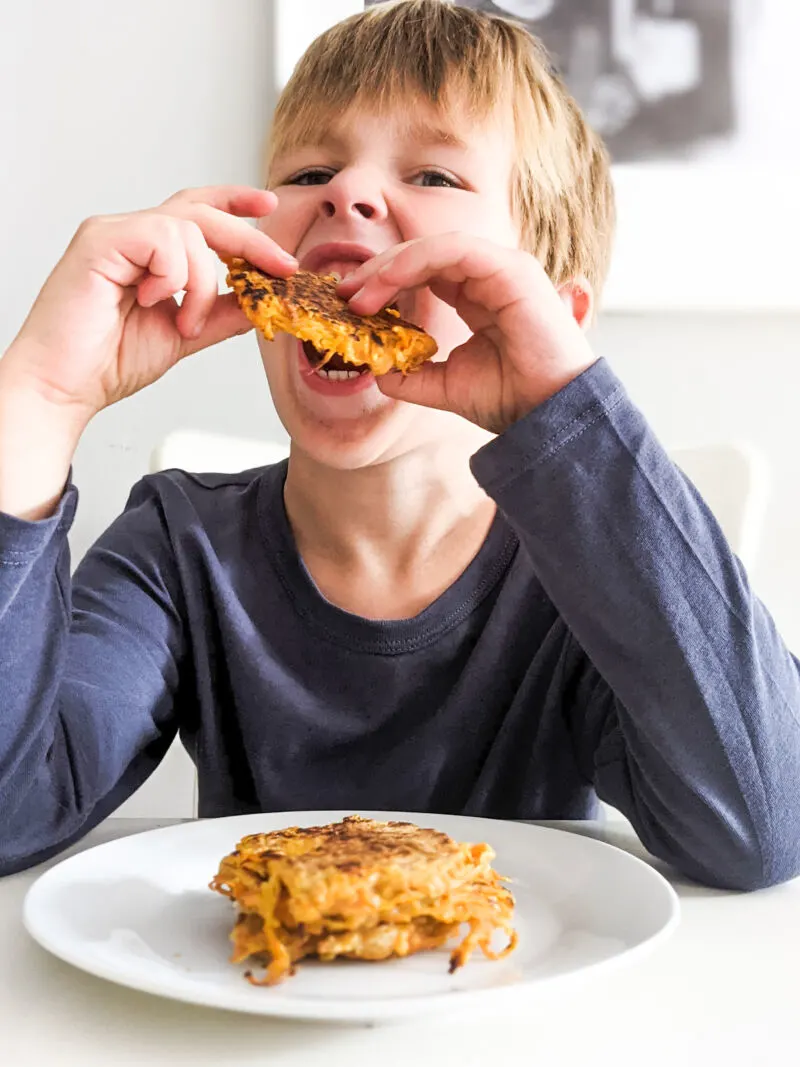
357, 294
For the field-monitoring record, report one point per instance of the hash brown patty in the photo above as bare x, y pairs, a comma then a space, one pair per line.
307, 306
360, 889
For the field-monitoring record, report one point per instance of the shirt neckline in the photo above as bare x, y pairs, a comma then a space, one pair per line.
383, 636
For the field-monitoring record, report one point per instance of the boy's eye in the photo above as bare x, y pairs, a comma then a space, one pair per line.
435, 179
312, 176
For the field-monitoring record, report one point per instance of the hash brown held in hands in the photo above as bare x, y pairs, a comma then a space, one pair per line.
307, 306
361, 889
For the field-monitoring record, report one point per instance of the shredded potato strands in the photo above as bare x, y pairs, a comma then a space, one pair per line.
362, 890
308, 307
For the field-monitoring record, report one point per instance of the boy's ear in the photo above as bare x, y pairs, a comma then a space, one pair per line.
578, 297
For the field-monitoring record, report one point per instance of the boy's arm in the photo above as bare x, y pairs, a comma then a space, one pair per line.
687, 716
89, 673
86, 695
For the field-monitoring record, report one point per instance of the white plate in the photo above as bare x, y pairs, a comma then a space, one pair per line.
137, 911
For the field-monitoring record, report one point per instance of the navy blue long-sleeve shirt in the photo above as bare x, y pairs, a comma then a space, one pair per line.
604, 641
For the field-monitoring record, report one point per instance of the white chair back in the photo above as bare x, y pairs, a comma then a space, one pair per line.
204, 453
733, 479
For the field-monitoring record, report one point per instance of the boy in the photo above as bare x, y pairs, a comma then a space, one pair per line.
483, 588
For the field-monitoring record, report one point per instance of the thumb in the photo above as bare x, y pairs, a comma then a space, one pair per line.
226, 320
426, 386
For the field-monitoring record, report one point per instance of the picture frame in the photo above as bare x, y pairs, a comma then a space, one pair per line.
716, 235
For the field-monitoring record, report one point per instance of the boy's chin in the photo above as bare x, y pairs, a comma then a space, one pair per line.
346, 447
373, 439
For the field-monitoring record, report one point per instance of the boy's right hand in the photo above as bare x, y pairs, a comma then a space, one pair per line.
106, 323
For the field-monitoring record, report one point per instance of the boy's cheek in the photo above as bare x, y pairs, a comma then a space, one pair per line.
268, 224
281, 227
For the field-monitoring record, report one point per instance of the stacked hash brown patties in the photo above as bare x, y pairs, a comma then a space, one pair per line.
307, 306
360, 889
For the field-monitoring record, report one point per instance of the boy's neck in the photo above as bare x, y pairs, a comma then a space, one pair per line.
385, 541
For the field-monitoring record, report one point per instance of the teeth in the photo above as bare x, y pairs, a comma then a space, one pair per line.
340, 268
336, 375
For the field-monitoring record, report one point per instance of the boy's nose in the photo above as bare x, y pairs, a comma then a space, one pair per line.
345, 196
330, 209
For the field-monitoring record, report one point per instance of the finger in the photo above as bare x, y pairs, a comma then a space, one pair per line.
202, 289
350, 285
167, 263
440, 259
405, 266
231, 237
474, 315
493, 276
450, 292
426, 386
225, 320
246, 201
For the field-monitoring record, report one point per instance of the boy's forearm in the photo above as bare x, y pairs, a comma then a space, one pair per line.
87, 696
38, 438
700, 738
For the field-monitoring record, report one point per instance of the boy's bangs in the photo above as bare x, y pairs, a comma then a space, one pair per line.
380, 64
315, 114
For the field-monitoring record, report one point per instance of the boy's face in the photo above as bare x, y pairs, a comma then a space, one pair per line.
372, 182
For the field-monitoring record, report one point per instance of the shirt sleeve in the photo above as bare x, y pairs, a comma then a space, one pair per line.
685, 715
89, 672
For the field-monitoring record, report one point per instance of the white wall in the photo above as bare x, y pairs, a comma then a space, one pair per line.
109, 107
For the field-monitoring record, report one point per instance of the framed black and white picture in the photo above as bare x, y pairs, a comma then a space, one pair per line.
699, 104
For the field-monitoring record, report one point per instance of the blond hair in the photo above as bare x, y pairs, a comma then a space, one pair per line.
561, 194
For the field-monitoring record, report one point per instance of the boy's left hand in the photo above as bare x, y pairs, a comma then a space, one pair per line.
525, 344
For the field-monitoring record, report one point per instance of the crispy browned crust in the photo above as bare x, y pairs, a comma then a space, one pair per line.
307, 306
363, 890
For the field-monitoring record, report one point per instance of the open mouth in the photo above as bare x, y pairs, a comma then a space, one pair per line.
330, 366
339, 352
336, 368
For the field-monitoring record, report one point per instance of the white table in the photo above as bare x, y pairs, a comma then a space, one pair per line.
723, 991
